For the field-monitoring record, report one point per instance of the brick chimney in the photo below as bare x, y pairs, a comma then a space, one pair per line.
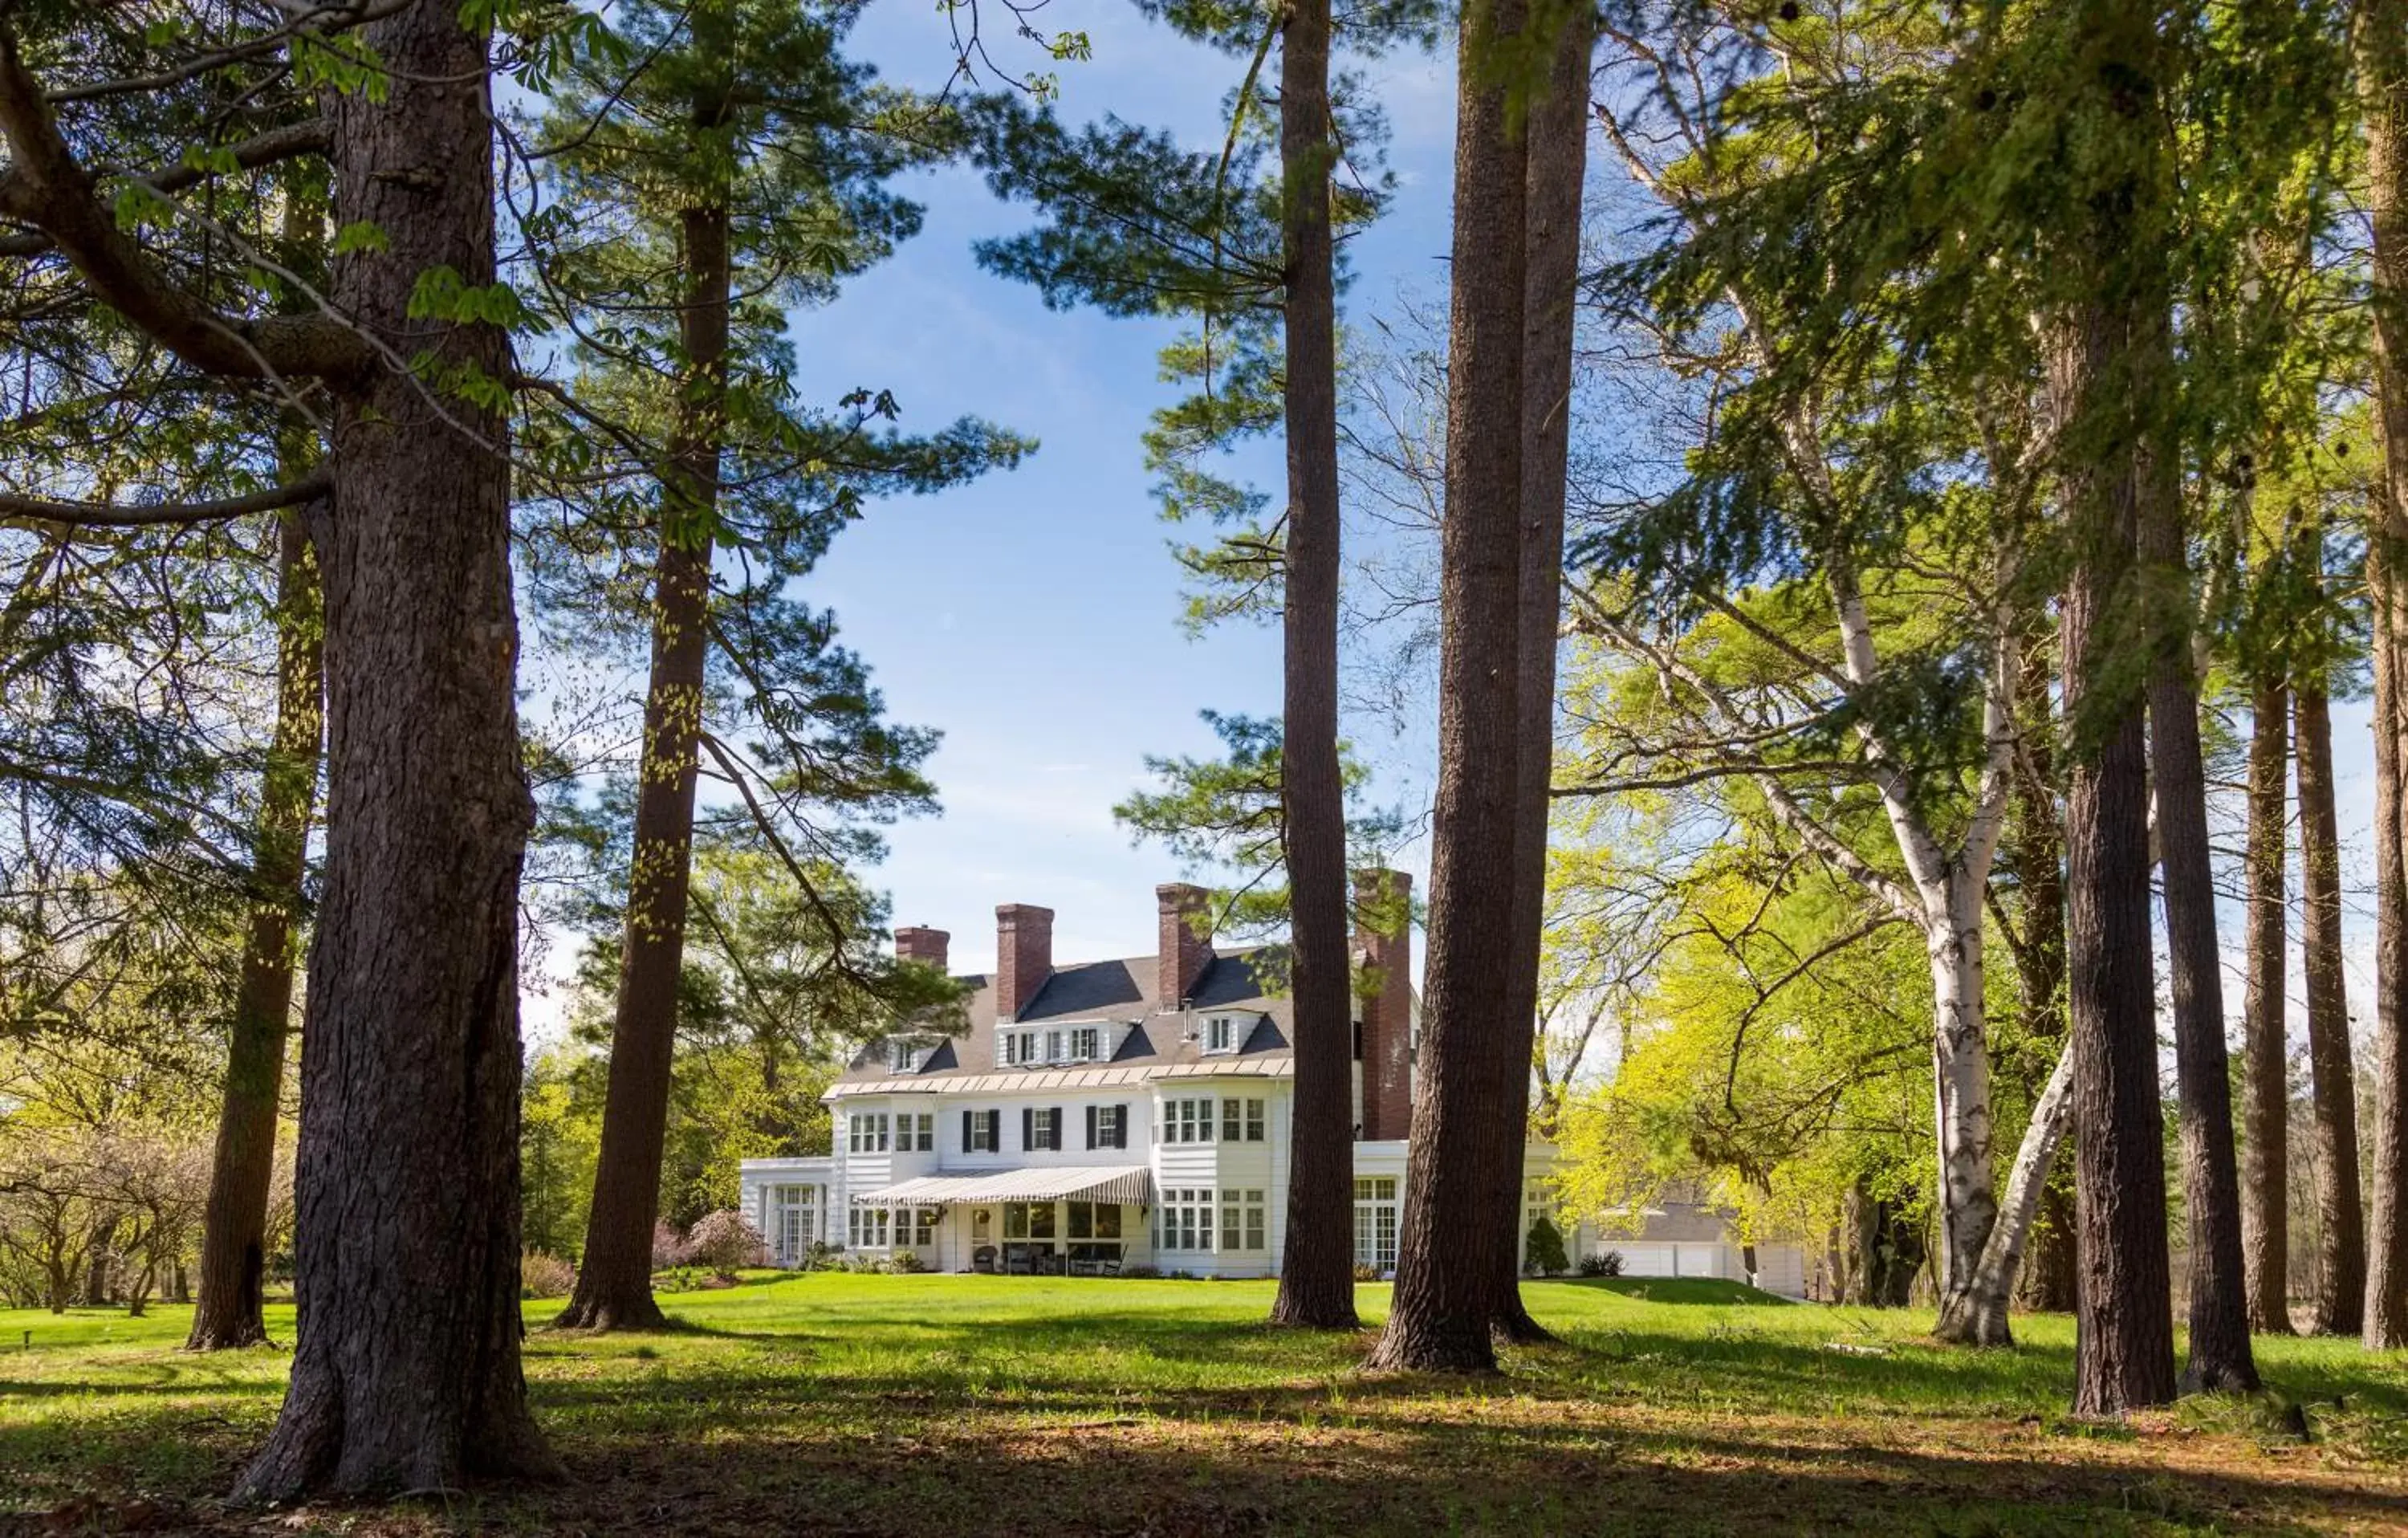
1183, 949
1385, 957
1023, 956
922, 946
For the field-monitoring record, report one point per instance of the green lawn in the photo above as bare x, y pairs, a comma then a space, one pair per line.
953, 1405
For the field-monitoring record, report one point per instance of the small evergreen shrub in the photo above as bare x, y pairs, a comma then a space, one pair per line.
1543, 1249
1603, 1263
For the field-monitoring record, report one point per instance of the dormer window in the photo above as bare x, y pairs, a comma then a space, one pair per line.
906, 1056
1086, 1043
1019, 1048
1221, 1033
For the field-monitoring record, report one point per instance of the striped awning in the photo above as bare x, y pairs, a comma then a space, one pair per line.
1129, 1183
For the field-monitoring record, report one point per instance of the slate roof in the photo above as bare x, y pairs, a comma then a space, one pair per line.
1119, 992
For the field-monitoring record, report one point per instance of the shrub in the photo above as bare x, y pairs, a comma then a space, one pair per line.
668, 1247
543, 1274
1543, 1249
725, 1240
908, 1263
1365, 1274
1603, 1263
1141, 1273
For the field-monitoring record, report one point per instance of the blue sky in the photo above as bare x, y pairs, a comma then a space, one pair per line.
1034, 617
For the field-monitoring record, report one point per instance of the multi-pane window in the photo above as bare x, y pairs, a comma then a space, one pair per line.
981, 1131
1019, 1048
1186, 1220
791, 1225
1375, 1222
867, 1132
865, 1228
1221, 1033
1040, 1128
1108, 1126
1187, 1121
1243, 1225
1052, 1046
1241, 1119
924, 1225
917, 1134
1086, 1044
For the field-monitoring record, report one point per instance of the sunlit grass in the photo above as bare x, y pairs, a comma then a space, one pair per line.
925, 1403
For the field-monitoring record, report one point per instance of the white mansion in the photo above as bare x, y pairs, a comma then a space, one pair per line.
1097, 1116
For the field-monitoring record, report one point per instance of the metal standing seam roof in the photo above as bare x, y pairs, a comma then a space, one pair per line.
1030, 1079
1131, 1184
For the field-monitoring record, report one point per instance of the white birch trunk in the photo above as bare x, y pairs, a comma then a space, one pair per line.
1978, 1315
1969, 1206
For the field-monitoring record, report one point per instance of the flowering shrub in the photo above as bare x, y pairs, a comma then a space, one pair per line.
725, 1240
668, 1247
543, 1274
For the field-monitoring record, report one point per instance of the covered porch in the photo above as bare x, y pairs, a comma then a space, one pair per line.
1057, 1221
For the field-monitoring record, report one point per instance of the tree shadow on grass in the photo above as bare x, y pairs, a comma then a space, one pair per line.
955, 1467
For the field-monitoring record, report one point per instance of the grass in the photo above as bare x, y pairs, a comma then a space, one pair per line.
942, 1405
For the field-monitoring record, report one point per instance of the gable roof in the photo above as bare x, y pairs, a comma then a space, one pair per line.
1099, 993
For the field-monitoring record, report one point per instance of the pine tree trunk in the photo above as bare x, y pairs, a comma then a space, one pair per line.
1444, 1304
614, 1281
2382, 48
2266, 1089
2124, 1318
2108, 356
234, 1229
2341, 1253
1316, 1271
406, 1374
2220, 1359
1558, 166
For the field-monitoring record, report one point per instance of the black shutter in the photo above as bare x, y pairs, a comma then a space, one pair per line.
1028, 1127
1119, 1125
1091, 1128
966, 1130
1055, 1139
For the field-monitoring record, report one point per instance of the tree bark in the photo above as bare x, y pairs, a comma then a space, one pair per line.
1558, 170
2266, 1089
1994, 1275
2108, 354
235, 1225
406, 1376
2044, 1281
2220, 1359
614, 1282
1444, 1304
2382, 49
2341, 1251
1316, 1286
